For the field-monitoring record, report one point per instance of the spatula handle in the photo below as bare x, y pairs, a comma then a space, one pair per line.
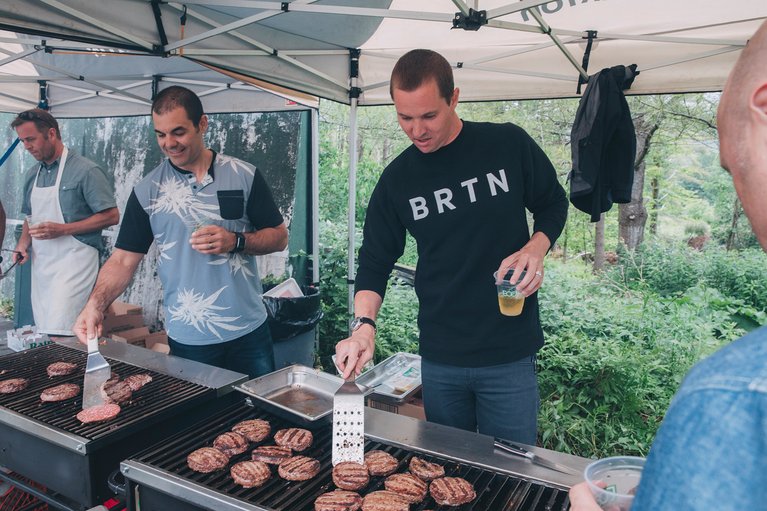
93, 344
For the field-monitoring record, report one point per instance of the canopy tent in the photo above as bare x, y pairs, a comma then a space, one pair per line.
522, 49
344, 49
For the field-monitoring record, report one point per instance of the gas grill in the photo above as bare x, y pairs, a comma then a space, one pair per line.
46, 443
161, 479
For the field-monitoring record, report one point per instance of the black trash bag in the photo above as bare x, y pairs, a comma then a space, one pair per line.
289, 317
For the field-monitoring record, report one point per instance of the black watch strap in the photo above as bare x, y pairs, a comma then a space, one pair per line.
239, 242
362, 320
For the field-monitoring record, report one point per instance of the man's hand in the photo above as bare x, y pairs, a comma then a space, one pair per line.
528, 258
213, 239
20, 254
48, 230
355, 351
581, 498
88, 324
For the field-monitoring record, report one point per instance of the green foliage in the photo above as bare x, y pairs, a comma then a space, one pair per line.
614, 357
696, 228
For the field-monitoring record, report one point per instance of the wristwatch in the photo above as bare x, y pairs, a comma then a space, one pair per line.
239, 242
359, 321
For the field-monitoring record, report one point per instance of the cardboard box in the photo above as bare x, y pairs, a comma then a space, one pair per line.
25, 338
412, 407
157, 341
134, 336
113, 323
118, 308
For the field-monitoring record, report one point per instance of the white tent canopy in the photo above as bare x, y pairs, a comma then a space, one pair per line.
522, 49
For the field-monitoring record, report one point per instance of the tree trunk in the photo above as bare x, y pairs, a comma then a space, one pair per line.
386, 153
737, 211
654, 206
633, 216
599, 244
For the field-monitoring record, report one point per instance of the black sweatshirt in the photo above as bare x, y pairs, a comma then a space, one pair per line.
465, 206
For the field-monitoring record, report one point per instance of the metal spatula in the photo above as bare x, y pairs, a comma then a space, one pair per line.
348, 423
97, 372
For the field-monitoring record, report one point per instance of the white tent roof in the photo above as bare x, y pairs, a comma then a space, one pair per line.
527, 48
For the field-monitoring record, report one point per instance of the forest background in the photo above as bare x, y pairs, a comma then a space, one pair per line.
629, 303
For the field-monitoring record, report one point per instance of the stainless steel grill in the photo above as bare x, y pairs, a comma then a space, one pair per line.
47, 443
165, 481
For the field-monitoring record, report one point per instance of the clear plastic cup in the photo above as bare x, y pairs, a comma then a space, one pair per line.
621, 476
510, 301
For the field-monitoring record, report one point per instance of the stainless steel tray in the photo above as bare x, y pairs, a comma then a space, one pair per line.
396, 378
297, 393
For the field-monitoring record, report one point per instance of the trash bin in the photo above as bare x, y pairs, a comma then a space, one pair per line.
293, 323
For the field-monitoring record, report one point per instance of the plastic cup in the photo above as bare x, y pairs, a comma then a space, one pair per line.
621, 474
510, 302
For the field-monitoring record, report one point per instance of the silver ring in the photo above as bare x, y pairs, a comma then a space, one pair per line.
538, 273
210, 244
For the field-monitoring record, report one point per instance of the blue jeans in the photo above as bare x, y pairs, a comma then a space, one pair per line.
251, 354
500, 400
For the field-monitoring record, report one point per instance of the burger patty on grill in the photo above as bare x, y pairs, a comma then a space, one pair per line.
408, 486
338, 500
116, 391
271, 454
60, 392
452, 491
60, 369
231, 443
13, 385
99, 413
425, 469
380, 463
250, 473
384, 500
254, 430
136, 381
296, 438
349, 475
298, 468
207, 460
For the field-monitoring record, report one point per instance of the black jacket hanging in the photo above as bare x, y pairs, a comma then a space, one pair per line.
603, 143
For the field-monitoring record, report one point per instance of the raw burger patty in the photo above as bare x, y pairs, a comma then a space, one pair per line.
61, 369
452, 491
408, 486
13, 385
207, 460
116, 391
271, 454
349, 475
136, 381
380, 463
425, 469
298, 468
231, 443
250, 473
296, 438
60, 392
99, 413
338, 500
384, 500
254, 430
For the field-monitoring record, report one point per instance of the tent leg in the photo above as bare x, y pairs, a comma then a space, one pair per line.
352, 197
315, 166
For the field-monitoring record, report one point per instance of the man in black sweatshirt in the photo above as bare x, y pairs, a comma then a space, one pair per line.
461, 190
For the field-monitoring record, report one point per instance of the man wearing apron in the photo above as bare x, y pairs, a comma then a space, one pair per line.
68, 200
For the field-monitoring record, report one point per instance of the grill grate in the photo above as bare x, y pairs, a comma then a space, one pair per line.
163, 392
495, 491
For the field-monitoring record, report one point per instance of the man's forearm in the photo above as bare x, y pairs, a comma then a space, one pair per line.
266, 241
114, 278
95, 222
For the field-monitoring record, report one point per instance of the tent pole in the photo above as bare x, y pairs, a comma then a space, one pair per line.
352, 195
315, 148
